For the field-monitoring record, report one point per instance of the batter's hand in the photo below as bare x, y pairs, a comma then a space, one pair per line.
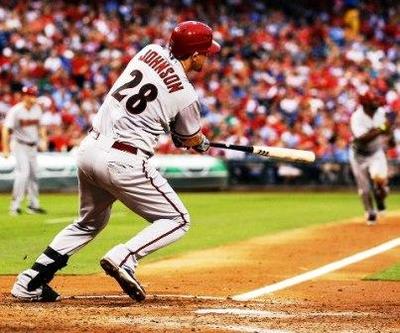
203, 146
177, 141
386, 128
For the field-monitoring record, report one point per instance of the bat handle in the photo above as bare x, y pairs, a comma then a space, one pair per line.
246, 149
218, 145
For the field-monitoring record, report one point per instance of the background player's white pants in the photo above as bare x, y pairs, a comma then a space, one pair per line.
366, 168
105, 175
25, 175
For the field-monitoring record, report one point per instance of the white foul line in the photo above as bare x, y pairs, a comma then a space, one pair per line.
277, 314
245, 313
318, 272
244, 329
60, 220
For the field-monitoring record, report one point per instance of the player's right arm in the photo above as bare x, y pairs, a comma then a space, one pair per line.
371, 134
8, 126
186, 129
5, 139
364, 136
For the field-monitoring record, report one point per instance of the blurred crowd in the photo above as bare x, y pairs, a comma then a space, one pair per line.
284, 77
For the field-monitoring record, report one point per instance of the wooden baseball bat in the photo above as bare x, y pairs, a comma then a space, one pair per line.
284, 154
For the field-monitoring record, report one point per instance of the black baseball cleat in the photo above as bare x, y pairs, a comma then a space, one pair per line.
49, 294
43, 293
371, 218
125, 278
15, 212
34, 210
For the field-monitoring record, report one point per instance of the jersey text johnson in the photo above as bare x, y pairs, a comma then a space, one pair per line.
163, 69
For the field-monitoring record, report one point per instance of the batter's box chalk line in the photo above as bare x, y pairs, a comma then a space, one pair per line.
152, 297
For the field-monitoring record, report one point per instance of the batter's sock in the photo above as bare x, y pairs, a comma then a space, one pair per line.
122, 256
380, 193
48, 263
367, 202
380, 205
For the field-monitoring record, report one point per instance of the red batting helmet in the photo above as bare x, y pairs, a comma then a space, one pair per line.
190, 37
30, 90
371, 99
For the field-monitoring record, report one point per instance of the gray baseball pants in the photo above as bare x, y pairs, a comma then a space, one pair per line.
365, 169
106, 174
26, 179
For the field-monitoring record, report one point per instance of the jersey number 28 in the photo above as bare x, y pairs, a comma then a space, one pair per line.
136, 103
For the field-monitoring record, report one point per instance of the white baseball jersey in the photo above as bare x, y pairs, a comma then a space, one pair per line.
152, 96
24, 123
361, 123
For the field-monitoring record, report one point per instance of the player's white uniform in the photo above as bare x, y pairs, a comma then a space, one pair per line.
25, 125
152, 95
368, 161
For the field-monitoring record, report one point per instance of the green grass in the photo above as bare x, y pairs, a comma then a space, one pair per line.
390, 274
217, 219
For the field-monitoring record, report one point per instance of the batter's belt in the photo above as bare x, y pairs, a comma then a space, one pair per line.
119, 145
362, 151
30, 144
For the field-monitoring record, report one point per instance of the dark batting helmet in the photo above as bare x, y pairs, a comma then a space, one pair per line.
30, 90
190, 37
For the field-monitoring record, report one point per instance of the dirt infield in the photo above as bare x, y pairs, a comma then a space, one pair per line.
192, 292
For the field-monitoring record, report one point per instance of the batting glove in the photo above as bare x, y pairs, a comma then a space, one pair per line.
203, 146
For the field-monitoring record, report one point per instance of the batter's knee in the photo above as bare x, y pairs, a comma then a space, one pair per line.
379, 181
184, 220
93, 223
89, 227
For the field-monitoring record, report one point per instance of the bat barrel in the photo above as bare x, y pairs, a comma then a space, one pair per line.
285, 154
278, 153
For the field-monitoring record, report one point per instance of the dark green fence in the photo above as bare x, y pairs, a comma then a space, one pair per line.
265, 172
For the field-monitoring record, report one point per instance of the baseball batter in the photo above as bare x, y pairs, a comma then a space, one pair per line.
152, 96
23, 120
369, 127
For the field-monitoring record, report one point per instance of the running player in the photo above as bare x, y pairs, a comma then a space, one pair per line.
152, 95
23, 121
369, 127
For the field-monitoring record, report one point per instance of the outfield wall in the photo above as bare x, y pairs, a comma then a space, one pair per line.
57, 172
262, 172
